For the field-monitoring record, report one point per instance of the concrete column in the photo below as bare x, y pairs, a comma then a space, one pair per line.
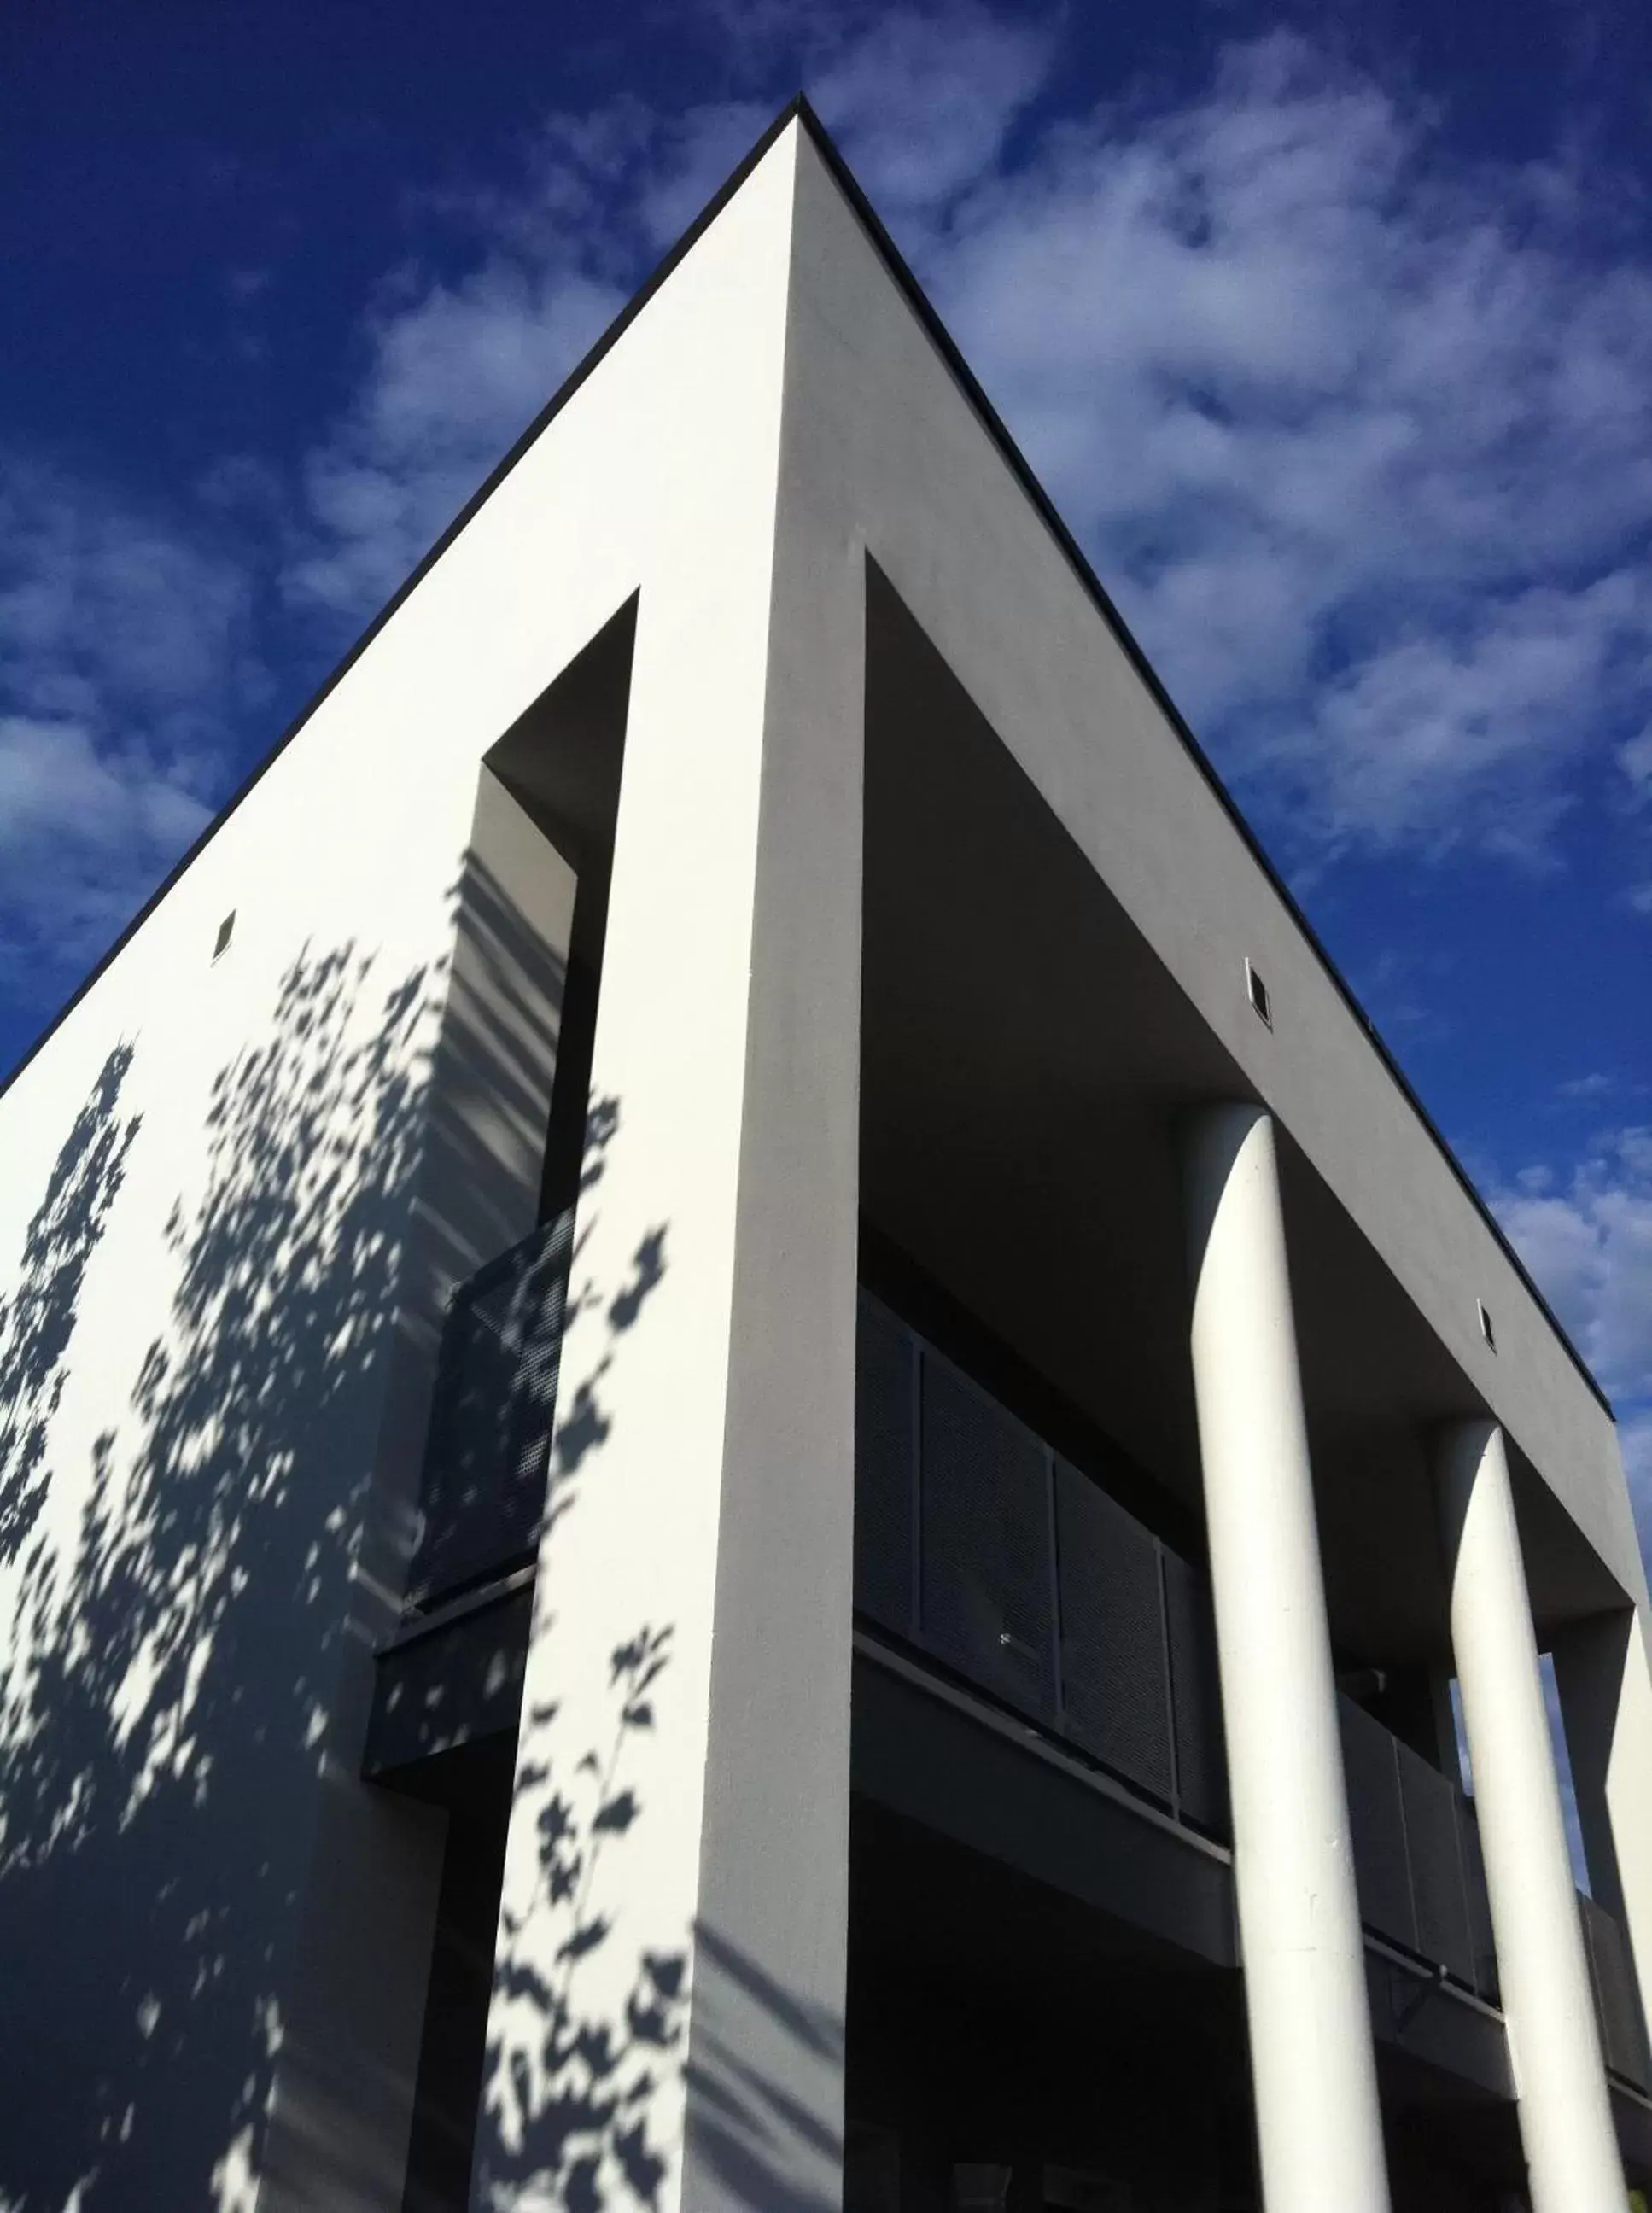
666, 2020
1319, 2123
1565, 2117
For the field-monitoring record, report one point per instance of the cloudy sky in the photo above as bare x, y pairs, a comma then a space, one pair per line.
1334, 351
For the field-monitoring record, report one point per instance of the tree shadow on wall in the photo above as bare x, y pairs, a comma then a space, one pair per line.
162, 1721
189, 1599
574, 2078
38, 1320
594, 2033
585, 2044
579, 2079
764, 2144
582, 2046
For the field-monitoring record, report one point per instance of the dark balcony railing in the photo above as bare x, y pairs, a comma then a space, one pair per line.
980, 1547
482, 1488
1422, 1884
978, 1543
1617, 1998
1416, 1854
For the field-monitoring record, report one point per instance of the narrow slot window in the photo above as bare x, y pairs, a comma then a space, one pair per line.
1487, 1330
1257, 991
226, 931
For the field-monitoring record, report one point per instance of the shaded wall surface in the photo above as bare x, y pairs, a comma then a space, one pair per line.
182, 1491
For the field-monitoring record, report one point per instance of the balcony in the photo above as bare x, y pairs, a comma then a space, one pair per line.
985, 1561
982, 1549
1012, 1571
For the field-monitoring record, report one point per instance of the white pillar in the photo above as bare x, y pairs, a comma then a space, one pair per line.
667, 2025
1318, 2119
1565, 2116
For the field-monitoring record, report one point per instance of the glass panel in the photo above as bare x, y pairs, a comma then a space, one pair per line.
988, 1566
886, 1468
1115, 1688
1378, 1821
1438, 1897
1201, 1765
482, 1491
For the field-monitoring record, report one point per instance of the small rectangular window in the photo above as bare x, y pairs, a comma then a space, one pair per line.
1487, 1330
226, 931
1258, 992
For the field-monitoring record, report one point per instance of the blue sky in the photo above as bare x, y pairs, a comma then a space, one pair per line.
1332, 344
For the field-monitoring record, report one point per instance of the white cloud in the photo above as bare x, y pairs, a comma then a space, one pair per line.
690, 160
1587, 1241
457, 368
1362, 440
100, 602
456, 375
120, 639
1634, 758
924, 102
1360, 437
1432, 728
53, 775
1634, 1436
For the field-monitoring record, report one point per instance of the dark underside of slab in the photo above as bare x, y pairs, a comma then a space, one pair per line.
1039, 1958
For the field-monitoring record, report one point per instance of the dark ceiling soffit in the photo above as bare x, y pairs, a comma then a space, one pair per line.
1021, 469
799, 110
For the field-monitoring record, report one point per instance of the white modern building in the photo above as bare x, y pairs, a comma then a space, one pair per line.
748, 1438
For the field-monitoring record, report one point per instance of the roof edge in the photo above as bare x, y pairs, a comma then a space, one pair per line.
799, 110
553, 406
946, 346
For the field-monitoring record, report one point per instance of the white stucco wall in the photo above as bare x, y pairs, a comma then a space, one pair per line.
676, 1883
204, 1900
185, 1637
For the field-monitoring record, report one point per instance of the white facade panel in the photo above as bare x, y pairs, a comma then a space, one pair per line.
189, 1625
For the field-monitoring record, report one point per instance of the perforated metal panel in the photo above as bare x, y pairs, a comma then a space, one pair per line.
482, 1488
1481, 1941
1623, 2029
1115, 1686
1438, 1895
1201, 1769
988, 1549
1031, 1580
886, 1468
1371, 1765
